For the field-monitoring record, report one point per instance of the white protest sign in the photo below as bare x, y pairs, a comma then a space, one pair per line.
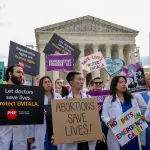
93, 62
128, 125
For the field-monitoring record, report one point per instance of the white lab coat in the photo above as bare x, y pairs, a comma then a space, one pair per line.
143, 106
20, 135
40, 130
147, 113
114, 110
73, 146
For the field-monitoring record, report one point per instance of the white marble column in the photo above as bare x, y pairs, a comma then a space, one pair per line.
132, 49
108, 50
128, 57
97, 72
108, 54
82, 54
120, 52
42, 61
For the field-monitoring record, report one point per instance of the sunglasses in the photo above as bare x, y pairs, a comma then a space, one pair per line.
98, 82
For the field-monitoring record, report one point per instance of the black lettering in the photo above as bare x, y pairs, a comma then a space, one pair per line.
83, 117
85, 131
67, 132
80, 128
70, 118
58, 108
71, 106
92, 106
63, 109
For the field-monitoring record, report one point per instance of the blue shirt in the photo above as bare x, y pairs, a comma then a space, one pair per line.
125, 106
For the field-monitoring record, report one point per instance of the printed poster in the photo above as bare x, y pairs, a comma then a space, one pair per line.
59, 62
135, 77
128, 126
114, 66
93, 62
99, 95
19, 105
58, 45
27, 58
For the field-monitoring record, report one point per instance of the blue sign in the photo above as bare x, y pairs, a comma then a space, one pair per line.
1, 72
114, 66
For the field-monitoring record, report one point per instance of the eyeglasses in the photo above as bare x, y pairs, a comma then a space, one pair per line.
98, 82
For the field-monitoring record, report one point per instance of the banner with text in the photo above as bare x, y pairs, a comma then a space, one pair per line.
20, 105
114, 66
59, 62
1, 72
93, 62
78, 123
58, 45
128, 126
27, 58
135, 77
99, 95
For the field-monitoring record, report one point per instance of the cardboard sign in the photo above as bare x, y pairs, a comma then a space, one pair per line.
59, 62
135, 77
99, 95
27, 58
93, 62
20, 105
114, 66
128, 126
1, 72
57, 45
73, 120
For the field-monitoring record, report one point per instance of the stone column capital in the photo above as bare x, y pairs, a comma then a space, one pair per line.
120, 46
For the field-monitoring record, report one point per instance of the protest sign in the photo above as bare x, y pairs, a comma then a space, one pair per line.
58, 45
99, 95
114, 66
1, 72
93, 62
135, 77
27, 58
59, 62
73, 120
20, 105
128, 125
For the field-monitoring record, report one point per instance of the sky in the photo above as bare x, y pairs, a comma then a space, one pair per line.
19, 18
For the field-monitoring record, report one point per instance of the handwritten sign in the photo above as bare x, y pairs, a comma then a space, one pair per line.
59, 62
58, 45
99, 95
135, 77
114, 66
73, 120
93, 62
128, 126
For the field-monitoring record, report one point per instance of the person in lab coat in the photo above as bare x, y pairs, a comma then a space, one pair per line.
119, 101
42, 141
18, 134
76, 80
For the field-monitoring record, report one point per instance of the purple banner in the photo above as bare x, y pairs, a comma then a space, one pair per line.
59, 62
99, 95
135, 77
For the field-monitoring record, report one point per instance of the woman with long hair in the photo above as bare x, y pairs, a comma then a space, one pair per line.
44, 131
119, 101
